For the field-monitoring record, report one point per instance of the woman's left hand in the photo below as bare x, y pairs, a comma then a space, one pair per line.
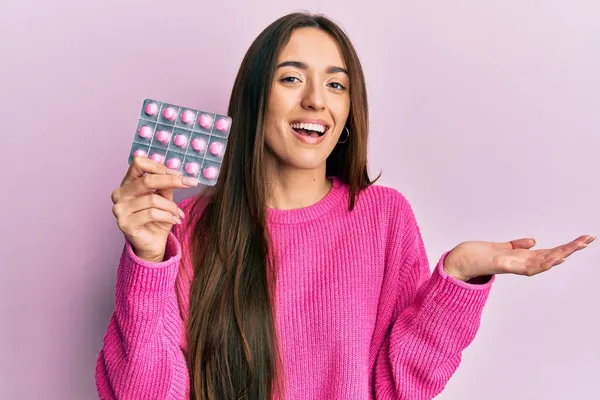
476, 259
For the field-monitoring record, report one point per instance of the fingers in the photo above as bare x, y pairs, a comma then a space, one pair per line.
551, 260
567, 249
556, 256
138, 168
151, 182
516, 257
153, 201
144, 165
133, 224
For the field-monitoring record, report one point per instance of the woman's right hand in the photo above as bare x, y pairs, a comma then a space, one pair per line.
144, 206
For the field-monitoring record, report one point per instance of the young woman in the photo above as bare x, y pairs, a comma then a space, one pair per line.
298, 278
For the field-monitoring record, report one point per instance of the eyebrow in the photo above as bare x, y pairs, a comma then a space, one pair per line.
301, 65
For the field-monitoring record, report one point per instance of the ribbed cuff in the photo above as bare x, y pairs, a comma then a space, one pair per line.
150, 276
452, 294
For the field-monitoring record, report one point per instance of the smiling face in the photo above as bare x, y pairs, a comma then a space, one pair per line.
309, 101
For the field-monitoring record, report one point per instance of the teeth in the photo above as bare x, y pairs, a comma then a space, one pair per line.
309, 127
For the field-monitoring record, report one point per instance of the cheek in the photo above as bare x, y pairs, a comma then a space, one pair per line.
340, 110
281, 104
271, 118
273, 129
273, 136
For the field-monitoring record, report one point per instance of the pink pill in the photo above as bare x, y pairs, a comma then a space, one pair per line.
157, 157
187, 117
222, 124
192, 168
205, 121
216, 148
145, 132
174, 163
210, 173
169, 113
198, 144
139, 153
151, 109
163, 136
180, 140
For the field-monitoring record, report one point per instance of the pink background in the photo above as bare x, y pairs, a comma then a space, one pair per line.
485, 114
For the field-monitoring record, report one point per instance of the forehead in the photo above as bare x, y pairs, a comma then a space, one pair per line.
313, 47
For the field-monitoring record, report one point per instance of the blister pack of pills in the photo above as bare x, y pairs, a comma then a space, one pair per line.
184, 139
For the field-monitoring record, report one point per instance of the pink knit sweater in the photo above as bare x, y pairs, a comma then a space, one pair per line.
360, 315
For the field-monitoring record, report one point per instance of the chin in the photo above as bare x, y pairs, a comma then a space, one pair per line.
306, 161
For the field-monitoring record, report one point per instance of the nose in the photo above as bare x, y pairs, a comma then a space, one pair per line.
313, 97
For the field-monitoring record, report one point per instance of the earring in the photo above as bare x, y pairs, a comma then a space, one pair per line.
347, 135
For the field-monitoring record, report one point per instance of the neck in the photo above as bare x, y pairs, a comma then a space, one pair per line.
292, 188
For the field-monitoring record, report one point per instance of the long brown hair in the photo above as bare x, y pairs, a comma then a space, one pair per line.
231, 336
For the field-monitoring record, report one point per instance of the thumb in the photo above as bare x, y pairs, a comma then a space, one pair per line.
524, 243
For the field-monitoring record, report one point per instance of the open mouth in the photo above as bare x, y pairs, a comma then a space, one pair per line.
310, 130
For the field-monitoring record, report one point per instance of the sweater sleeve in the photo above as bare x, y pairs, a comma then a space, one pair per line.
435, 317
141, 357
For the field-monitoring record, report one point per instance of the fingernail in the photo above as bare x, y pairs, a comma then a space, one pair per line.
180, 212
190, 181
173, 172
177, 220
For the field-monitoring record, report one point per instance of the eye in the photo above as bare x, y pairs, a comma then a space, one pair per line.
337, 86
290, 79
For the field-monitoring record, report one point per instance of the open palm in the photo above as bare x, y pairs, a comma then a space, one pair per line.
477, 258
